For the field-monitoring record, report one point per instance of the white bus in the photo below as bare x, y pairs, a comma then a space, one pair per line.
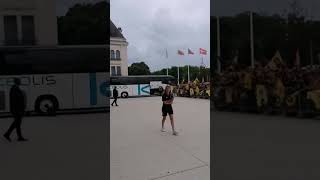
132, 86
59, 77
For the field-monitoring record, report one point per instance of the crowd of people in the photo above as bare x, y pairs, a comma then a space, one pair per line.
193, 89
273, 87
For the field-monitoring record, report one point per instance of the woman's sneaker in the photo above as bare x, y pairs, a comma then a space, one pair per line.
175, 133
163, 130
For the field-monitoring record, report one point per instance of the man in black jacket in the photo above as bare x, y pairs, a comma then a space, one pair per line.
115, 96
17, 109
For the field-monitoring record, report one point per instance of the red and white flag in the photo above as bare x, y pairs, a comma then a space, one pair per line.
190, 52
203, 51
180, 52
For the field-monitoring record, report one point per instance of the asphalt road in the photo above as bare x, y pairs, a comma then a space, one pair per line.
262, 147
64, 147
139, 151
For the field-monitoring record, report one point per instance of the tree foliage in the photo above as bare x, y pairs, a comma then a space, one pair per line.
139, 68
195, 72
285, 32
84, 24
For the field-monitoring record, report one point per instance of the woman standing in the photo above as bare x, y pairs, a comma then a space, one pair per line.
167, 99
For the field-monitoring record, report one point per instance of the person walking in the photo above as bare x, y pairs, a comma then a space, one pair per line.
17, 109
167, 99
115, 96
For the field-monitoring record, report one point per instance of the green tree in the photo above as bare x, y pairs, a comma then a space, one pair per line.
195, 72
84, 24
287, 32
139, 68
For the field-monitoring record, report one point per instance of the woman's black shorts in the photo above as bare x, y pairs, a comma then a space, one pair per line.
167, 109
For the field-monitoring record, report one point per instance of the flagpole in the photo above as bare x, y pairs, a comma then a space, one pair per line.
311, 53
251, 39
167, 61
200, 66
201, 58
178, 76
218, 46
188, 73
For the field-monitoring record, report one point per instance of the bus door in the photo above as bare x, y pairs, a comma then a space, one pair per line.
103, 91
90, 90
143, 90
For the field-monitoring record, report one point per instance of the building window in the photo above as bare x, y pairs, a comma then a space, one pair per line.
112, 55
118, 70
10, 30
113, 71
118, 55
28, 30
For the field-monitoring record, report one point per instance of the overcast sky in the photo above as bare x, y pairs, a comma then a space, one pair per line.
232, 7
152, 26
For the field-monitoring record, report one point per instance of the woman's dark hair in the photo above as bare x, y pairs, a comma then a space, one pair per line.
165, 90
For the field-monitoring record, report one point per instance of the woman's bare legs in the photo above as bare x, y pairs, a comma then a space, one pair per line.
172, 121
163, 121
172, 125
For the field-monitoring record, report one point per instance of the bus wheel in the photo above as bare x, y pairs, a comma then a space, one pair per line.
124, 95
46, 105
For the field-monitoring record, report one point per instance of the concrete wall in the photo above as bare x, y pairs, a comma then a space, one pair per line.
121, 45
44, 12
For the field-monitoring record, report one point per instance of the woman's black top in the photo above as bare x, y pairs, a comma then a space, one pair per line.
166, 97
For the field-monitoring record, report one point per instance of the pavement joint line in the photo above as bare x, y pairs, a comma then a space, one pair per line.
178, 172
186, 151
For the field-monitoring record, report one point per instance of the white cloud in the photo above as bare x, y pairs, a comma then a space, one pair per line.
152, 26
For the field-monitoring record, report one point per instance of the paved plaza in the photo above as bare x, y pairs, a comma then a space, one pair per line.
139, 151
246, 146
264, 147
64, 147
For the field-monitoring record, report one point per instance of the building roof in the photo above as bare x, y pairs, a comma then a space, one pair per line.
114, 31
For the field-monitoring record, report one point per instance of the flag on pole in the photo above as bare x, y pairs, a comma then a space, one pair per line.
203, 51
297, 61
190, 52
180, 52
